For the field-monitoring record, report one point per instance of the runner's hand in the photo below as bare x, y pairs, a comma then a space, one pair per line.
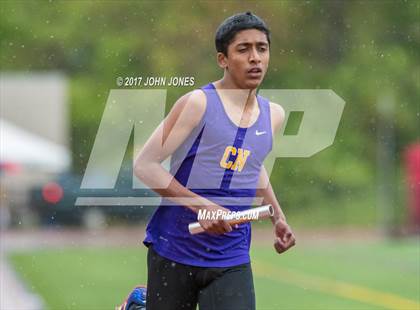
284, 237
215, 226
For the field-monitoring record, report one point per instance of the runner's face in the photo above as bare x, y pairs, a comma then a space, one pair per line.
248, 57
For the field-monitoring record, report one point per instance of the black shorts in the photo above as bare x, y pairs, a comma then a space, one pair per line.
174, 286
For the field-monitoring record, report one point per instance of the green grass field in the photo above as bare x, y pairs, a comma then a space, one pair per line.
375, 275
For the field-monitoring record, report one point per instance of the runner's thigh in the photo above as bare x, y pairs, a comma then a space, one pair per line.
170, 286
233, 290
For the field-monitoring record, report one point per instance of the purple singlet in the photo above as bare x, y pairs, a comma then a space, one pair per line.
222, 162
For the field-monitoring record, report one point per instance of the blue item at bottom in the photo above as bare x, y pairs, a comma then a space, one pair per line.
136, 300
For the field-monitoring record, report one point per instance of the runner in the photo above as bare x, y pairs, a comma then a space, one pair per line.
218, 137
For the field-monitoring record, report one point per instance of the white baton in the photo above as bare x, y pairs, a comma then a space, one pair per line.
249, 215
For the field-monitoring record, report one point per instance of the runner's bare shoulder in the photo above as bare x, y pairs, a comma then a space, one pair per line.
189, 108
277, 116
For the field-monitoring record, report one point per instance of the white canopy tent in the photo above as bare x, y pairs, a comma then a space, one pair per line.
18, 146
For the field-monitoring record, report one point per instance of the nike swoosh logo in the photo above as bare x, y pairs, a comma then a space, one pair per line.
259, 133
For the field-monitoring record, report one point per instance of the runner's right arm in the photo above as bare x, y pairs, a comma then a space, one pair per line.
168, 136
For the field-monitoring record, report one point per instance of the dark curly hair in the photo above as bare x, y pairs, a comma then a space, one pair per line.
232, 25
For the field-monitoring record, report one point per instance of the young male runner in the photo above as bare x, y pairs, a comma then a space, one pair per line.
219, 134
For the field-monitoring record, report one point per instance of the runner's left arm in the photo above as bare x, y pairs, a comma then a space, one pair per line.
284, 237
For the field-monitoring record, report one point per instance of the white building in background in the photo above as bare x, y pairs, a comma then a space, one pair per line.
34, 136
36, 102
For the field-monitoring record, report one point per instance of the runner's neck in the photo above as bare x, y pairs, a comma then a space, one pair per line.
237, 96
